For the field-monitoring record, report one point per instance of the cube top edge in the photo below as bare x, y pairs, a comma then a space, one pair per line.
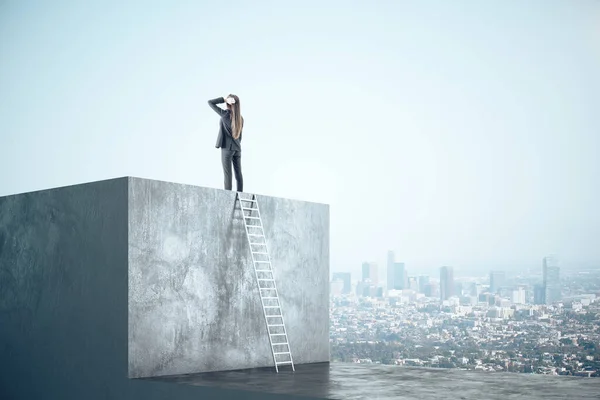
130, 178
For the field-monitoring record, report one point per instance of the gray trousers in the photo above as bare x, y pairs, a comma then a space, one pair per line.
229, 158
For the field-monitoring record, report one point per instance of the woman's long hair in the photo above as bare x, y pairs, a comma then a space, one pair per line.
237, 122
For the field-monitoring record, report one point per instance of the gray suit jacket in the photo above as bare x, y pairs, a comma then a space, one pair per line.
225, 138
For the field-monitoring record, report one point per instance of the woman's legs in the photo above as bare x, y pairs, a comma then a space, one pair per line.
237, 168
226, 156
229, 157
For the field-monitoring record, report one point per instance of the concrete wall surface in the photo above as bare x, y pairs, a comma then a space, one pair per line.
79, 284
194, 304
63, 290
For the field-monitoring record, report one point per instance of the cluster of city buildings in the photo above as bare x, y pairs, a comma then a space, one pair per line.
400, 284
492, 323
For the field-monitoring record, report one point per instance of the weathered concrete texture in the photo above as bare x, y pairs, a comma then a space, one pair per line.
63, 287
194, 304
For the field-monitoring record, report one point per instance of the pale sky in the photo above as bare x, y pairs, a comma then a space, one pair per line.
462, 133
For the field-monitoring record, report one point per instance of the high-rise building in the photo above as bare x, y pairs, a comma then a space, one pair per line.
519, 295
485, 298
423, 280
346, 278
430, 290
360, 287
390, 270
551, 277
473, 289
446, 283
399, 276
458, 289
396, 273
539, 295
369, 272
497, 280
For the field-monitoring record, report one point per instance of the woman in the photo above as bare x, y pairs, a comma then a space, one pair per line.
230, 138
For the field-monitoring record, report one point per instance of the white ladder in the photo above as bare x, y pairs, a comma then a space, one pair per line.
263, 269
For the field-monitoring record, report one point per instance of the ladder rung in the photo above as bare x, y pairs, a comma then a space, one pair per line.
256, 234
248, 217
259, 252
278, 334
283, 362
283, 352
247, 200
269, 297
263, 270
249, 208
263, 261
274, 325
258, 244
266, 279
271, 306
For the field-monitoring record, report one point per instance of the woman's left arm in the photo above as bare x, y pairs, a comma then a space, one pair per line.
213, 104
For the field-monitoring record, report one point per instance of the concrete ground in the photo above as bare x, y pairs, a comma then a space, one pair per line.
361, 381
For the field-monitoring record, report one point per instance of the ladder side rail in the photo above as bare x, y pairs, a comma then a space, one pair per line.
275, 287
257, 281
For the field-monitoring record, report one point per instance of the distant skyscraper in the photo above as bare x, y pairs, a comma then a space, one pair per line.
497, 280
369, 272
446, 283
396, 273
360, 287
551, 276
458, 288
519, 295
399, 276
539, 295
473, 289
430, 290
346, 278
485, 298
423, 280
390, 270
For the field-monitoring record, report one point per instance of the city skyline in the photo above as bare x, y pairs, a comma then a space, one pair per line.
461, 272
397, 278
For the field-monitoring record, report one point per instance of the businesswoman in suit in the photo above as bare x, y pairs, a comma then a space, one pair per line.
230, 138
